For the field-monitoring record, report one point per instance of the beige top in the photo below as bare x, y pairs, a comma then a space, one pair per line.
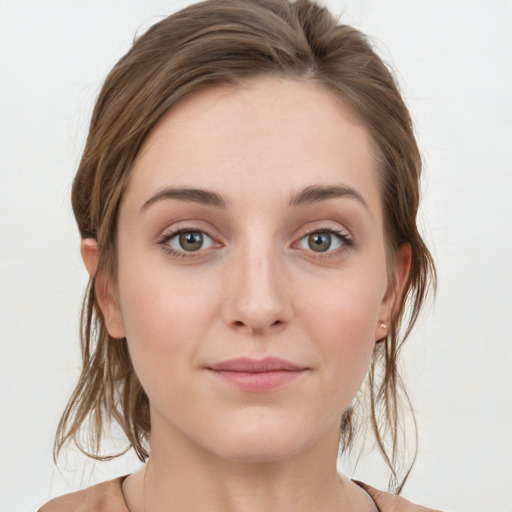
108, 497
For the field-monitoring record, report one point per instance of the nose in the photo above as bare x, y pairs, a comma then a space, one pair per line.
257, 291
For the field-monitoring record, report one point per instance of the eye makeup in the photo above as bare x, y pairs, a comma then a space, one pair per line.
191, 241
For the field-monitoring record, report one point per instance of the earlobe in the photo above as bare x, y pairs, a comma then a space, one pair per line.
390, 306
106, 298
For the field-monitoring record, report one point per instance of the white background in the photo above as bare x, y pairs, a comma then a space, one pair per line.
454, 62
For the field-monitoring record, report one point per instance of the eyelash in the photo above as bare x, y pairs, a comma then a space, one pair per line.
344, 238
167, 236
346, 242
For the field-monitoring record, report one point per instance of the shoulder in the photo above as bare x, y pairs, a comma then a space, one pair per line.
104, 497
387, 502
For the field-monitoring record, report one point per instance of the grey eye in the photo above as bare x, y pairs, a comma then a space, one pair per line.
321, 241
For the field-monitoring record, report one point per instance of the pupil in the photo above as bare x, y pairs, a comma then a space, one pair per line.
191, 240
320, 242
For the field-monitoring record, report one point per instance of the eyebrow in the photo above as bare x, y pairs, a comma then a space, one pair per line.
196, 195
317, 193
308, 195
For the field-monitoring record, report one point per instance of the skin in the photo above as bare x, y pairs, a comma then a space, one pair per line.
256, 288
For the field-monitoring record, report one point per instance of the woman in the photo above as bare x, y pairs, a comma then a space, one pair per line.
247, 204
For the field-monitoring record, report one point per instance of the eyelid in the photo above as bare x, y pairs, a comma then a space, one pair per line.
343, 235
174, 231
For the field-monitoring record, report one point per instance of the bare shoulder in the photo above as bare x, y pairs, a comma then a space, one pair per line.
104, 497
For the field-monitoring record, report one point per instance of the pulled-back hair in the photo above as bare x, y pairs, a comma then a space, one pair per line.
231, 41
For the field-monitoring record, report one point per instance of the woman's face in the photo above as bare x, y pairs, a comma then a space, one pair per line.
252, 277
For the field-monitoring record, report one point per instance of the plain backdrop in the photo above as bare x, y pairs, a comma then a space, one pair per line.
453, 59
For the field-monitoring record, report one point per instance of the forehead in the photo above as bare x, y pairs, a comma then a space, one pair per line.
270, 135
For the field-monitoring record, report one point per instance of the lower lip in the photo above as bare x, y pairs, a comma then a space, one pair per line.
260, 381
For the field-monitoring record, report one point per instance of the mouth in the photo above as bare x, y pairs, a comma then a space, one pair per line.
257, 375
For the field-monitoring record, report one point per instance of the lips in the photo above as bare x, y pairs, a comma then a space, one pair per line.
257, 375
243, 364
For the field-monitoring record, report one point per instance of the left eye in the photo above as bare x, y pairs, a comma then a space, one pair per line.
189, 241
322, 241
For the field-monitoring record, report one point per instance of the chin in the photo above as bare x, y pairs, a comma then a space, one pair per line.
262, 441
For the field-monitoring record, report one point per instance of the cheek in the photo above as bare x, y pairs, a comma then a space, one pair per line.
350, 309
342, 326
165, 319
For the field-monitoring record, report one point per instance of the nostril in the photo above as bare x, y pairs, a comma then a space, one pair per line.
240, 323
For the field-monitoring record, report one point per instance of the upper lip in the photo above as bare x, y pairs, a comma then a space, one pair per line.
249, 365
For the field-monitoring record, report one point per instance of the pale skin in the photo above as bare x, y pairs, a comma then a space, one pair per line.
267, 270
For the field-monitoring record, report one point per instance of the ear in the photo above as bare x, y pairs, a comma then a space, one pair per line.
391, 301
105, 295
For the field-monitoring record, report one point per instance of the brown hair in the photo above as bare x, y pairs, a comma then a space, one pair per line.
229, 41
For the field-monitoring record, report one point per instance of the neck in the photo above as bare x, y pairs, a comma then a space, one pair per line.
183, 477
